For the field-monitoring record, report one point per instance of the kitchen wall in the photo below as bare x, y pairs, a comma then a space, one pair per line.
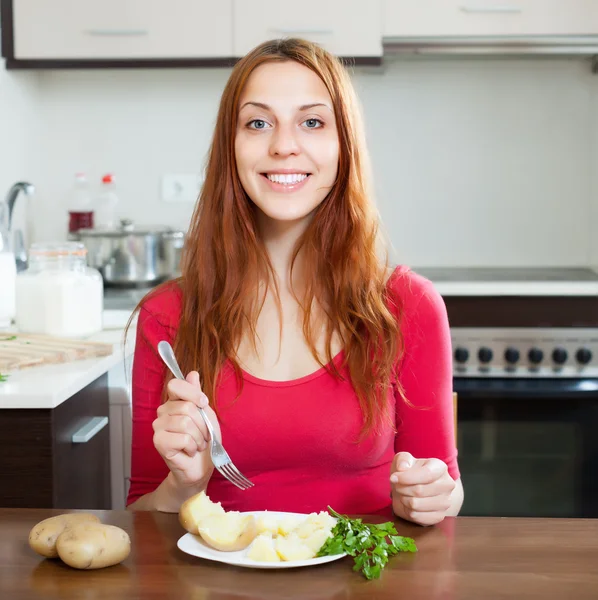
477, 161
20, 123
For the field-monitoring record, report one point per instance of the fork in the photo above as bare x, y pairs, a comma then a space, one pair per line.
219, 455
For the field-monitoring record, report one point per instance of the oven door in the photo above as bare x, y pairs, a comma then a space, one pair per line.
528, 448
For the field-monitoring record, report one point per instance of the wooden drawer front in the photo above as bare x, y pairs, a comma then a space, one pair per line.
125, 29
82, 468
344, 27
443, 18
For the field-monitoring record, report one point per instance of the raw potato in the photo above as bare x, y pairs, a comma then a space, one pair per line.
229, 532
42, 538
93, 546
195, 509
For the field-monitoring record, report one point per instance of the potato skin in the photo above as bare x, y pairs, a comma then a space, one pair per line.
93, 546
43, 536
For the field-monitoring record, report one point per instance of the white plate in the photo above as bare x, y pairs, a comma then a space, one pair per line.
194, 545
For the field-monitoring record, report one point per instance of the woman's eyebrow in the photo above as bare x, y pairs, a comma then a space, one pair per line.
301, 108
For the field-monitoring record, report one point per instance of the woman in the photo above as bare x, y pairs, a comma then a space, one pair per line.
327, 373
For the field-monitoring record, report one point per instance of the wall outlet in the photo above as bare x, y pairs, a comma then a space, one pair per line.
181, 187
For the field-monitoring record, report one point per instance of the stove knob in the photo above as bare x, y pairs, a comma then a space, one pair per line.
461, 355
485, 355
512, 355
559, 356
535, 356
583, 356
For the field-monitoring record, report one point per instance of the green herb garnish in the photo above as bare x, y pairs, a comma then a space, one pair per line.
3, 377
370, 545
9, 339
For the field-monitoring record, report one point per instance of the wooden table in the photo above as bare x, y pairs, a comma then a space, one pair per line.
475, 558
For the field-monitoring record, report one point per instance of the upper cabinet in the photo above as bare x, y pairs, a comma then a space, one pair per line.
347, 28
521, 18
134, 30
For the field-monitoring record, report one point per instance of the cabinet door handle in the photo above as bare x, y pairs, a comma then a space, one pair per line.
301, 31
89, 430
497, 8
117, 32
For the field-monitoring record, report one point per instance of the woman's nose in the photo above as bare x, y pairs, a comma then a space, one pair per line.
283, 141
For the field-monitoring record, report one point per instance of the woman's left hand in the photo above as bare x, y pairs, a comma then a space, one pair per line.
421, 488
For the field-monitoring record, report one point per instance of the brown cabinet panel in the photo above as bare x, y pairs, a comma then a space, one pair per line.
41, 467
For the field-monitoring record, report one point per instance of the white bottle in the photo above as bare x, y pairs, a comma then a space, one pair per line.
8, 273
105, 209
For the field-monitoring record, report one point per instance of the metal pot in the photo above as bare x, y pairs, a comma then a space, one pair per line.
131, 257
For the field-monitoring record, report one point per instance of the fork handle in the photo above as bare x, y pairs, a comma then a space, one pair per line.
202, 412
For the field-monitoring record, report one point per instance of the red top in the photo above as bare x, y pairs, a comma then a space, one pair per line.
295, 439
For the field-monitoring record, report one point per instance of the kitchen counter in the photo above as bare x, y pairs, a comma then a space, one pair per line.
462, 558
49, 386
517, 288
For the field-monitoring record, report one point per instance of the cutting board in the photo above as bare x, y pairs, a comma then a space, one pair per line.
21, 350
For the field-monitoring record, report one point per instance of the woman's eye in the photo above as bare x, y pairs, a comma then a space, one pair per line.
257, 124
313, 123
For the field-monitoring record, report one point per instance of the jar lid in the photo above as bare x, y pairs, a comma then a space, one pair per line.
57, 249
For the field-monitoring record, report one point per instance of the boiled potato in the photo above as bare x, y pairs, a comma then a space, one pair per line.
291, 547
317, 539
315, 522
288, 524
93, 546
197, 508
42, 537
262, 549
267, 523
229, 532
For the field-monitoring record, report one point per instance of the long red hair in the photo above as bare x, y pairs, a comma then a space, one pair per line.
224, 257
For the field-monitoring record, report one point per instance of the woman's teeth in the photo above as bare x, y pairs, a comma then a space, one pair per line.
287, 179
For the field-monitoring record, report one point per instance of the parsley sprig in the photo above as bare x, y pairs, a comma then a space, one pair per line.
370, 545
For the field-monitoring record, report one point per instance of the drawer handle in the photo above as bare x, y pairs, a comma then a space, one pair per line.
117, 32
498, 8
299, 31
89, 430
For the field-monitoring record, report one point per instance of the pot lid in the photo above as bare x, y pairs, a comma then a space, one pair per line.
127, 227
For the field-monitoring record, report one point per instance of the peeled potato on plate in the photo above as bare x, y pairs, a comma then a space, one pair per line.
270, 537
195, 509
229, 532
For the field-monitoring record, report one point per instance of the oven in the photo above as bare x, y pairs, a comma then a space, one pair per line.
527, 421
525, 370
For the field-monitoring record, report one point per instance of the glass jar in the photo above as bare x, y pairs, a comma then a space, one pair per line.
58, 294
8, 272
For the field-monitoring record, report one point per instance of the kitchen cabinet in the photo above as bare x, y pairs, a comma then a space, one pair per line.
58, 457
347, 28
116, 32
446, 18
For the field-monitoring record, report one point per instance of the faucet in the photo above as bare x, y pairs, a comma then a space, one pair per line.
19, 245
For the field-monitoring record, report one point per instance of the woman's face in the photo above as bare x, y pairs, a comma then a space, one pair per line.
286, 143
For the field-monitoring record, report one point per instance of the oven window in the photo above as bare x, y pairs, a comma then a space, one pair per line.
528, 457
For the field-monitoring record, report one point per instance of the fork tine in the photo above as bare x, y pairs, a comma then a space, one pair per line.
239, 474
232, 476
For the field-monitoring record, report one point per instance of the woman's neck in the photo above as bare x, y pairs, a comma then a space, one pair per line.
280, 239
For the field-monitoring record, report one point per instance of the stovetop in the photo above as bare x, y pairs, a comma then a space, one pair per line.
504, 274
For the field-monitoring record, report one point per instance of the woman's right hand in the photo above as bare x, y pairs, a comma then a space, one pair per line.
180, 434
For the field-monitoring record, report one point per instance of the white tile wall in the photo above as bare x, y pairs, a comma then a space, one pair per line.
477, 161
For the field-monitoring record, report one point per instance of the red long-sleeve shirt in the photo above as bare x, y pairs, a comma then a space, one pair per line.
296, 439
